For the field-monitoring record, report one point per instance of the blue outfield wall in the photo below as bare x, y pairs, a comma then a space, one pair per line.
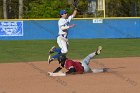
84, 29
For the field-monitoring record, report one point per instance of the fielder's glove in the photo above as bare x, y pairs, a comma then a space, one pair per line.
75, 4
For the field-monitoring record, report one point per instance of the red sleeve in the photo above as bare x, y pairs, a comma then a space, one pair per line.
68, 64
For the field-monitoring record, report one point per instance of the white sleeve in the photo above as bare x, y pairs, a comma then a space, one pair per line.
70, 17
64, 27
60, 23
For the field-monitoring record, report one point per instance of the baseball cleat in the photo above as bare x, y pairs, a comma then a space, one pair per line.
51, 50
50, 59
106, 69
98, 51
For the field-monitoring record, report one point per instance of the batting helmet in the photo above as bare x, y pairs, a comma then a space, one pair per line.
62, 59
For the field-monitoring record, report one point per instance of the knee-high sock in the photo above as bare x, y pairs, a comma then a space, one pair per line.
58, 50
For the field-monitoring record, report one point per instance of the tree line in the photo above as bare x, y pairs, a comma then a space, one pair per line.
14, 9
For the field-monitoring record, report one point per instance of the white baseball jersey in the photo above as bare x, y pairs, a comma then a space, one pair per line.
64, 22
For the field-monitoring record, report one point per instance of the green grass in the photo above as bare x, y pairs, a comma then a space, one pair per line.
37, 50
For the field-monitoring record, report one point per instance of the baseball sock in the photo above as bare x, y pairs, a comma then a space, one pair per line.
58, 50
57, 55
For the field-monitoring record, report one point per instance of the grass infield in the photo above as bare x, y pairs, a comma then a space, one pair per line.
37, 50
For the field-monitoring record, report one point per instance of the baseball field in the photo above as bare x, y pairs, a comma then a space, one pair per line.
24, 67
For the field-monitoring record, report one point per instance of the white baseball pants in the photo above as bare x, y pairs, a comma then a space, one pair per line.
86, 61
63, 44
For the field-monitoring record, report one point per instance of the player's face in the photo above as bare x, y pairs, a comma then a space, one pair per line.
64, 15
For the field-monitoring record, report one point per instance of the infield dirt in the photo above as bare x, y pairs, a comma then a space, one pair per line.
32, 77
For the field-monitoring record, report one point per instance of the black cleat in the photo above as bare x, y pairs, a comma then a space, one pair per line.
106, 69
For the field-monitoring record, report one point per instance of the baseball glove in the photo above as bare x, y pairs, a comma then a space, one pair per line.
75, 4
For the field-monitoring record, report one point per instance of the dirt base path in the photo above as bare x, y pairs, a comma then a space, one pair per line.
31, 77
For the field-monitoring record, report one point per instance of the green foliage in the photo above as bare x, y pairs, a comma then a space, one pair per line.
12, 9
122, 8
45, 9
51, 8
1, 7
82, 6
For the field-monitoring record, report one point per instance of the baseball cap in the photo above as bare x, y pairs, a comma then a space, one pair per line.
63, 12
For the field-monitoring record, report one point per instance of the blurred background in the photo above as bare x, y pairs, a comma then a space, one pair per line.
26, 9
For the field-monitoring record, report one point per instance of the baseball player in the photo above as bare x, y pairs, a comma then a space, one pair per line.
62, 40
77, 67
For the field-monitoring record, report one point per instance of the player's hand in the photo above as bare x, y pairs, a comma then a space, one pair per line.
72, 25
50, 73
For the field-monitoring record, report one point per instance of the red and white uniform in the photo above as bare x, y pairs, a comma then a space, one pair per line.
74, 64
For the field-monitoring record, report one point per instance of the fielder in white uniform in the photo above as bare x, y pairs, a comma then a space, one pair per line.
62, 40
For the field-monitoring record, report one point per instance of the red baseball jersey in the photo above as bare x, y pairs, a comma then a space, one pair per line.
77, 65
